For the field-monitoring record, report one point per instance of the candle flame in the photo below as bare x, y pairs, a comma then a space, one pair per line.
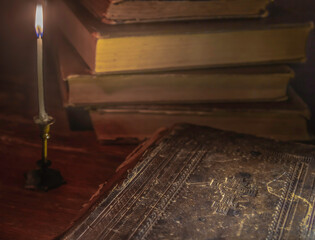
39, 26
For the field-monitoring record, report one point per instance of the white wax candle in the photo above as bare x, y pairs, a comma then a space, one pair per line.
42, 112
39, 31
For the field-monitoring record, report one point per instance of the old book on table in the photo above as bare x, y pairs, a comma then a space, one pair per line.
279, 120
195, 182
181, 45
262, 83
116, 12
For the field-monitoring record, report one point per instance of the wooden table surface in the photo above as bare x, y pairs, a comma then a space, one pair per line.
83, 162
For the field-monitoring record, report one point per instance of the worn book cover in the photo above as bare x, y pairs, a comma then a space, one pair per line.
134, 11
131, 122
195, 182
146, 47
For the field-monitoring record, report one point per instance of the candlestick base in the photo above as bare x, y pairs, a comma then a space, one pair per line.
44, 178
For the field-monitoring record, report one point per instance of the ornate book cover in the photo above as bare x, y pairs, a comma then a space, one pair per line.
196, 182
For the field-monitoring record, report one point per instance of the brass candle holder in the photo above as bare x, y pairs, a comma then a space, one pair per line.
43, 178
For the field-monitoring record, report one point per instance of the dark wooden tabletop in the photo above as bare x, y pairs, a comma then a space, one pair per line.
83, 162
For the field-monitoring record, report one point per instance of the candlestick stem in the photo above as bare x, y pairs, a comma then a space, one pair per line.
44, 129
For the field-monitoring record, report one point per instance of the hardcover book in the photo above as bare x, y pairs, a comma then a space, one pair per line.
82, 88
280, 38
193, 182
126, 11
133, 122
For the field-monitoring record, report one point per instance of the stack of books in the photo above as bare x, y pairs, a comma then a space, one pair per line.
144, 64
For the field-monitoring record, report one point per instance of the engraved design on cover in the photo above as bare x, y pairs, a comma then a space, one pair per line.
233, 190
124, 213
168, 195
235, 194
309, 230
289, 200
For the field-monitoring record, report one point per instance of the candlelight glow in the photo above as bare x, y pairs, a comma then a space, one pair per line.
39, 26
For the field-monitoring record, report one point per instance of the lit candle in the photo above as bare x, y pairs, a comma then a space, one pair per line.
39, 31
